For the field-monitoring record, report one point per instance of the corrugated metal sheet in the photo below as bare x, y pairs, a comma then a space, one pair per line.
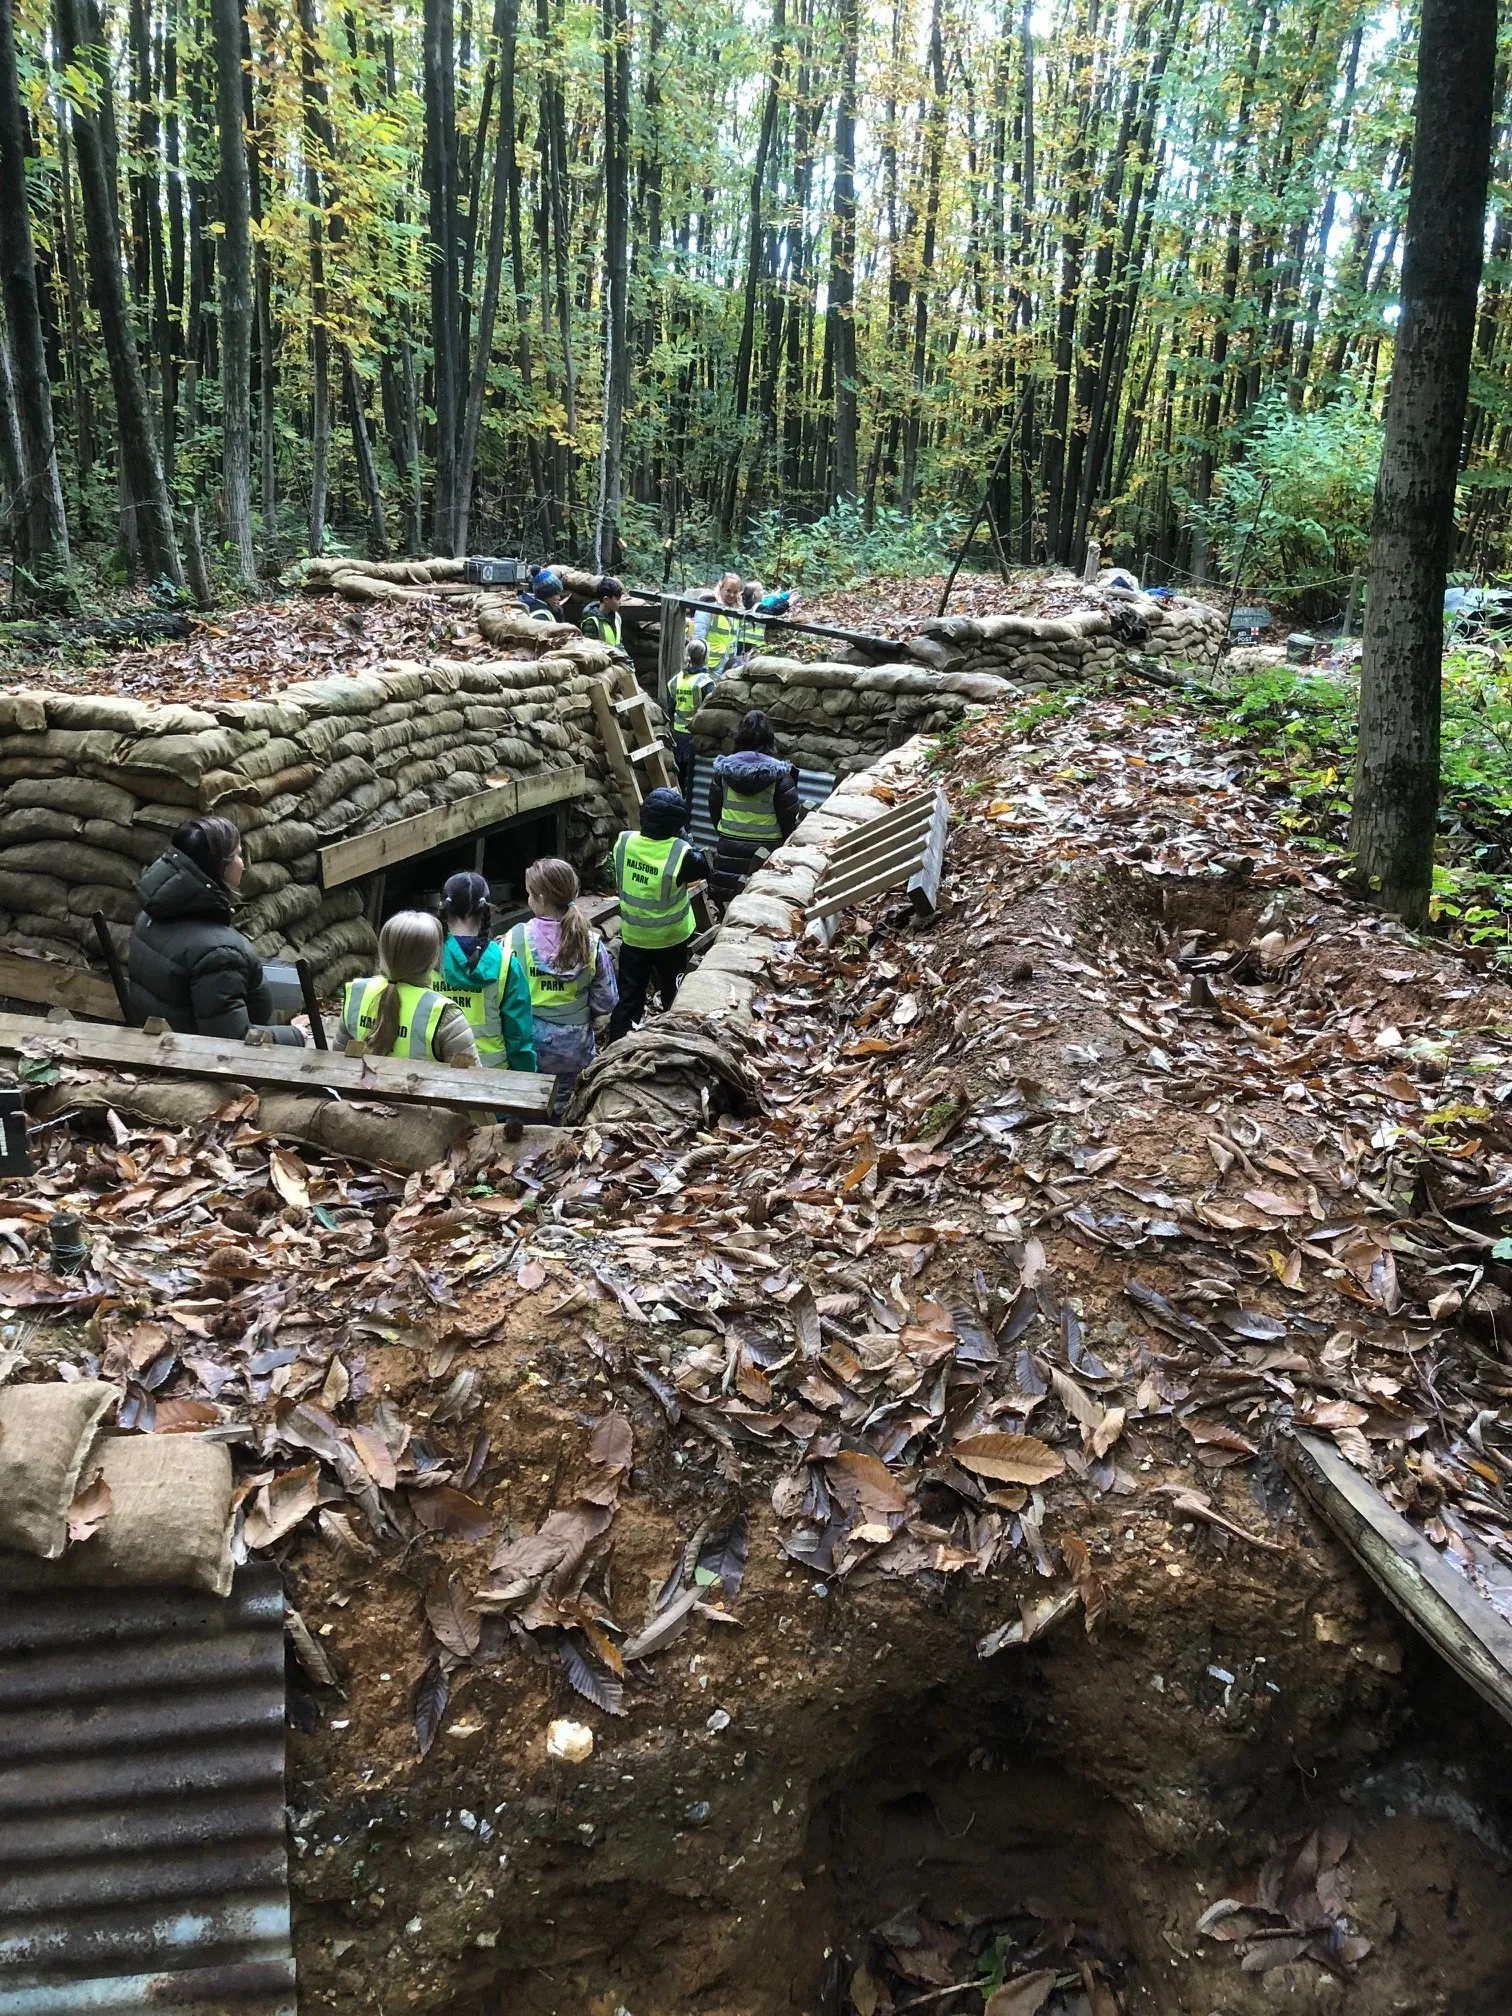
142, 1860
814, 786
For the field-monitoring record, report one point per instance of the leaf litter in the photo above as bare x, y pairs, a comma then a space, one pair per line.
973, 1286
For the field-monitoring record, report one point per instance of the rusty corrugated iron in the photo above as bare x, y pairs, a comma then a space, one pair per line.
142, 1859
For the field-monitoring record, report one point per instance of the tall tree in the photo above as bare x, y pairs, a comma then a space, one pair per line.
843, 260
441, 184
235, 289
43, 517
1412, 529
81, 45
616, 31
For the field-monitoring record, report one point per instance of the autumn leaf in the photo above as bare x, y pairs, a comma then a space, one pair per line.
612, 1445
1088, 1583
289, 1178
1024, 1997
89, 1509
452, 1617
531, 1275
281, 1504
445, 1509
432, 1698
1011, 1459
601, 1689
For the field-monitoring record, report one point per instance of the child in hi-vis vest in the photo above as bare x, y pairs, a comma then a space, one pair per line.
396, 1012
477, 974
568, 970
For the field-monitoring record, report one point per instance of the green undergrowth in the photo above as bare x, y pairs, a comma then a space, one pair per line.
1302, 727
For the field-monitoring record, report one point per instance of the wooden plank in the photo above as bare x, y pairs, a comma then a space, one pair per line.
876, 884
601, 694
1460, 1625
916, 812
366, 853
924, 888
389, 1080
915, 834
672, 646
902, 859
53, 985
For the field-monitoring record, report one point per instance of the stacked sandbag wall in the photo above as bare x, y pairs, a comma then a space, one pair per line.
92, 786
839, 717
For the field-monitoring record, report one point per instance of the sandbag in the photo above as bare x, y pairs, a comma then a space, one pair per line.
157, 785
340, 779
137, 843
261, 878
120, 906
45, 1432
184, 758
36, 822
70, 860
169, 1521
274, 717
45, 894
280, 842
22, 713
74, 745
123, 716
86, 797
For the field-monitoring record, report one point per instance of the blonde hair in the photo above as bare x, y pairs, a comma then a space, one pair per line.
554, 885
409, 950
731, 584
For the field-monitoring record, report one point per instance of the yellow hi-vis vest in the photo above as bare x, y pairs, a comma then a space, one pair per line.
480, 1008
561, 998
723, 635
420, 1012
750, 815
655, 911
689, 691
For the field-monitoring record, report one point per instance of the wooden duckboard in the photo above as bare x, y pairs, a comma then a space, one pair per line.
394, 1081
905, 845
369, 853
1456, 1620
51, 984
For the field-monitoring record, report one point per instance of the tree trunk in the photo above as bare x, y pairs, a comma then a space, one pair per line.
842, 287
616, 276
46, 527
1412, 531
146, 494
73, 277
753, 261
505, 28
934, 152
235, 290
367, 468
441, 185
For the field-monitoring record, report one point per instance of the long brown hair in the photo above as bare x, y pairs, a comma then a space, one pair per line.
554, 885
409, 950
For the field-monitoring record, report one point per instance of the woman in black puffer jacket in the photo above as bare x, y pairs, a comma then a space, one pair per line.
187, 963
753, 804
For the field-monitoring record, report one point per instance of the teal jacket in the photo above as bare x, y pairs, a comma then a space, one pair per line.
514, 997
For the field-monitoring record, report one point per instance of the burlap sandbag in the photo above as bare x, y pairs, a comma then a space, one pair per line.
71, 861
169, 1523
319, 737
120, 906
279, 753
280, 842
275, 717
36, 822
278, 910
44, 1434
336, 782
123, 716
261, 878
45, 894
292, 783
353, 938
85, 797
156, 785
137, 843
185, 758
356, 742
22, 713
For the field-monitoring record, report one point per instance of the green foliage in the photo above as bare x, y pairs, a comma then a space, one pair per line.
1316, 474
1303, 728
841, 548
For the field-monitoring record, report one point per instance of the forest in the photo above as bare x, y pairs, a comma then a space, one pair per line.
653, 285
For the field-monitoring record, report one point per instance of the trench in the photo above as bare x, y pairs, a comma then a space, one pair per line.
886, 1815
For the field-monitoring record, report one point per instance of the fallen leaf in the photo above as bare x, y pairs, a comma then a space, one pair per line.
602, 1689
612, 1445
432, 1698
856, 1478
308, 1649
531, 1275
290, 1178
281, 1504
1012, 1459
452, 1616
1088, 1583
89, 1509
445, 1509
1024, 1997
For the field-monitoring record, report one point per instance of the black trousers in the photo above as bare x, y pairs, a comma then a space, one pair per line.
682, 745
639, 965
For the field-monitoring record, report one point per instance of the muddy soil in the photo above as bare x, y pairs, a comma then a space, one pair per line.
781, 1788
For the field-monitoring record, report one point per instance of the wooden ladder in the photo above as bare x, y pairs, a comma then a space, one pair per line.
637, 756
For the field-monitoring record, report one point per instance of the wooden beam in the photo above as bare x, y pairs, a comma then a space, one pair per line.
898, 646
51, 984
672, 644
1460, 1625
601, 694
899, 860
916, 812
367, 853
389, 1080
